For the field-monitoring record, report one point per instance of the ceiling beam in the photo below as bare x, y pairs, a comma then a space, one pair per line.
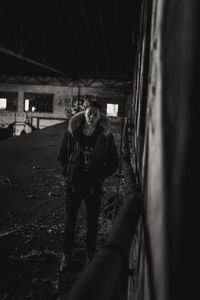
23, 58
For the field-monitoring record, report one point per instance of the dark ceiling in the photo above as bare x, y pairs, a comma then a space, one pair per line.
78, 38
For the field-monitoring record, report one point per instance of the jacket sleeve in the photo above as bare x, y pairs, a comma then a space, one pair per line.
63, 153
112, 156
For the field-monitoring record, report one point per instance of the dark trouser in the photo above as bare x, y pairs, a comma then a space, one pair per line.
92, 202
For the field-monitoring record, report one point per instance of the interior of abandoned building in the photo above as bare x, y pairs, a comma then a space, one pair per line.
140, 59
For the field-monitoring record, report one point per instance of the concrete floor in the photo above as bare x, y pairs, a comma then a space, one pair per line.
32, 213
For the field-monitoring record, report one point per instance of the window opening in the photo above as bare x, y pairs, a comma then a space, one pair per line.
3, 103
112, 109
8, 101
38, 102
26, 105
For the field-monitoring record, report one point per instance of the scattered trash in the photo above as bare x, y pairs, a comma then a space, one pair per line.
63, 181
36, 167
51, 194
28, 240
58, 176
35, 255
51, 169
31, 239
31, 196
30, 295
54, 194
55, 187
4, 180
35, 280
6, 233
43, 183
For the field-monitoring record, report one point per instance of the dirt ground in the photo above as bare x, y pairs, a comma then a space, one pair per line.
32, 212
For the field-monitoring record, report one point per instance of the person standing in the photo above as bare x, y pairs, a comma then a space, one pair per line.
87, 155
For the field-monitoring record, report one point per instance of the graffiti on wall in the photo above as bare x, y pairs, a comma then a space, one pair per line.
65, 103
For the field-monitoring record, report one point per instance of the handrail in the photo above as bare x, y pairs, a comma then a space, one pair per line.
99, 278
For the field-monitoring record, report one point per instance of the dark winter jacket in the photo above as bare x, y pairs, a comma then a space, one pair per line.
105, 160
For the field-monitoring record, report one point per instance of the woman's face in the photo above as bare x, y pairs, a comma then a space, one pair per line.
92, 115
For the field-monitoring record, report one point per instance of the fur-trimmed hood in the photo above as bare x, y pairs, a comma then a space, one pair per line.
78, 119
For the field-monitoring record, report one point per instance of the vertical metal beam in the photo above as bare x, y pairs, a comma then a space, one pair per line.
92, 48
116, 12
3, 4
74, 33
106, 52
69, 20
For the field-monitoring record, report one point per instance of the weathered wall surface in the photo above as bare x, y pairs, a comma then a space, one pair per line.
155, 190
61, 104
65, 99
163, 253
148, 252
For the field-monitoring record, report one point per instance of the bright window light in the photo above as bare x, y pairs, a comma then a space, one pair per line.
3, 103
112, 109
26, 108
